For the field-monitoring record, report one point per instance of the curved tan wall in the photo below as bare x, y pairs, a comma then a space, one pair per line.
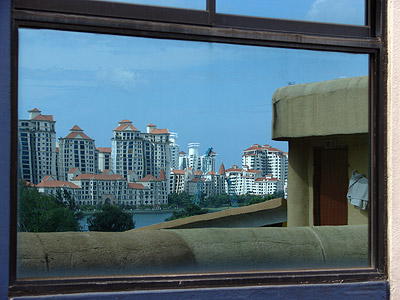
190, 251
321, 108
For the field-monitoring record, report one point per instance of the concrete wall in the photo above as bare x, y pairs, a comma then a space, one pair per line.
322, 108
300, 176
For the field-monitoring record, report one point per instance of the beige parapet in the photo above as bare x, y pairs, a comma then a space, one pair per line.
257, 215
169, 251
323, 108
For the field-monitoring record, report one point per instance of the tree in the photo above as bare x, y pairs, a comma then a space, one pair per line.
111, 219
43, 213
191, 210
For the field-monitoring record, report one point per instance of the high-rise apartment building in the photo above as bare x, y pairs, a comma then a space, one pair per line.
37, 147
143, 153
105, 161
77, 150
266, 159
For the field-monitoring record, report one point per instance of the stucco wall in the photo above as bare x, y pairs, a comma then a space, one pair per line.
393, 151
300, 176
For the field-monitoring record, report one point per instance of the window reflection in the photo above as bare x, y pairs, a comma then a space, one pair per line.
192, 4
251, 150
328, 11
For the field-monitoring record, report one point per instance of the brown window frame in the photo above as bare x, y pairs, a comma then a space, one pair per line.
209, 26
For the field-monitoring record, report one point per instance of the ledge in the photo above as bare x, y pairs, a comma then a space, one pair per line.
257, 215
139, 252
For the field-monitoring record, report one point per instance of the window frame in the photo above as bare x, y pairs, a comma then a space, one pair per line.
209, 26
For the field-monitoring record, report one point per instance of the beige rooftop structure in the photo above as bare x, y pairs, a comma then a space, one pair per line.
326, 125
323, 108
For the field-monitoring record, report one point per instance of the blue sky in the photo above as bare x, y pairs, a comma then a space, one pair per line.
216, 94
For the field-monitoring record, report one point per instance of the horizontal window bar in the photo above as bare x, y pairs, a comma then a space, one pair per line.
191, 32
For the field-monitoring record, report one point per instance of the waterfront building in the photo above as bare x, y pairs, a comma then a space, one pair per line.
242, 180
157, 187
144, 153
77, 150
50, 186
174, 150
37, 147
204, 163
183, 161
105, 161
266, 159
267, 185
177, 181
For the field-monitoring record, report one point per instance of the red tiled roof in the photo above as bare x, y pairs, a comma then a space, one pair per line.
221, 170
253, 171
125, 121
253, 148
266, 179
151, 125
106, 171
104, 149
274, 150
148, 178
76, 128
249, 154
123, 127
182, 152
136, 186
179, 172
162, 175
159, 131
44, 118
72, 170
35, 109
57, 183
212, 152
234, 170
99, 177
211, 173
198, 173
46, 178
73, 135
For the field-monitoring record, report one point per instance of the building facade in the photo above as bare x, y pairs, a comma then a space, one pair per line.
37, 147
77, 150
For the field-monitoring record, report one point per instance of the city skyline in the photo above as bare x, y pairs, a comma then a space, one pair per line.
218, 95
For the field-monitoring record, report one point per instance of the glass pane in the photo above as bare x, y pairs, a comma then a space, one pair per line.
328, 11
190, 4
249, 149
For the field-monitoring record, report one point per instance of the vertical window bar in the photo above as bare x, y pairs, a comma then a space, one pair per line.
211, 11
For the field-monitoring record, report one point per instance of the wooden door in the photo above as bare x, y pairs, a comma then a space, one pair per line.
330, 186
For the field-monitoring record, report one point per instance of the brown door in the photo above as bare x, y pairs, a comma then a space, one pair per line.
330, 186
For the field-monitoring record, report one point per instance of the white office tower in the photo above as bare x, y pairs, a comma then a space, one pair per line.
193, 157
208, 161
76, 150
37, 147
174, 148
183, 161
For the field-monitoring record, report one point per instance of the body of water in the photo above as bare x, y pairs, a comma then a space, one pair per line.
140, 219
